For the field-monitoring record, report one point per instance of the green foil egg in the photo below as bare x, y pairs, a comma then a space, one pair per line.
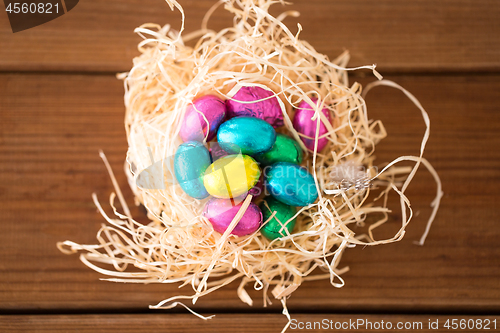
231, 176
285, 149
246, 135
275, 228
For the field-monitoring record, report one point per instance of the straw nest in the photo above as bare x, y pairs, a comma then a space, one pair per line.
179, 244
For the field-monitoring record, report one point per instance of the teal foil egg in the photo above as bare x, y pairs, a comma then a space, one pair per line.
291, 184
276, 227
250, 136
191, 160
285, 149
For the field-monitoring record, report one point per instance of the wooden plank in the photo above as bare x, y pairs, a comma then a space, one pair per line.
243, 323
399, 36
52, 127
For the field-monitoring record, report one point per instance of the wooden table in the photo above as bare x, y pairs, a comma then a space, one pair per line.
60, 103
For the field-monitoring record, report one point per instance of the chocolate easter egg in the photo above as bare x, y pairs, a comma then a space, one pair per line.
221, 212
194, 126
303, 124
281, 222
244, 104
258, 189
247, 135
216, 151
285, 149
255, 191
291, 184
190, 162
231, 176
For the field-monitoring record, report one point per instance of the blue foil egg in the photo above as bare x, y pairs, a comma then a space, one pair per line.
291, 184
247, 135
191, 160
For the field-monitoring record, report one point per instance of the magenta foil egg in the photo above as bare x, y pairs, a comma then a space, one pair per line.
194, 127
303, 124
220, 213
268, 110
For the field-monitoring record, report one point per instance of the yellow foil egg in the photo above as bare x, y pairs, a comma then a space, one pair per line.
231, 176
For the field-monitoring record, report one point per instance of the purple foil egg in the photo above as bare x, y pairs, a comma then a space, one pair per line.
220, 213
303, 124
194, 127
216, 151
268, 110
257, 190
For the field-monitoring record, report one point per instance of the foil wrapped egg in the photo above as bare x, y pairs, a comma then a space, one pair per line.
291, 184
246, 135
231, 176
258, 189
194, 127
190, 162
220, 213
282, 224
303, 124
255, 191
285, 149
243, 104
216, 151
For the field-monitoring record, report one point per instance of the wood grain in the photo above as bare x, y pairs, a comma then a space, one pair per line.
52, 126
399, 36
234, 323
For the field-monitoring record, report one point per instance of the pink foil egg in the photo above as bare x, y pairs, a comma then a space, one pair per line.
220, 213
194, 127
303, 124
268, 110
